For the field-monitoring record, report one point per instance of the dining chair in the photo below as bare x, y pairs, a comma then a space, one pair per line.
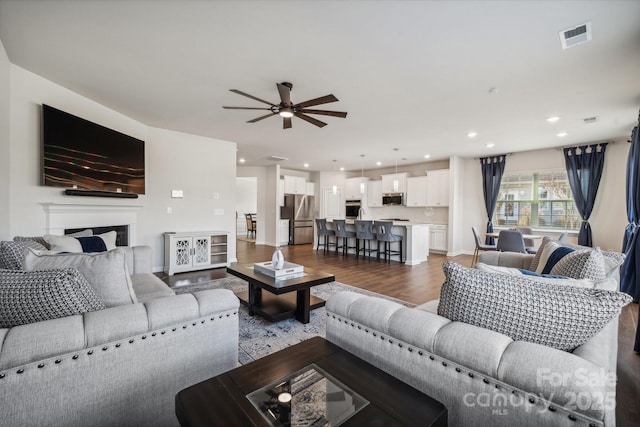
529, 244
479, 246
251, 224
511, 241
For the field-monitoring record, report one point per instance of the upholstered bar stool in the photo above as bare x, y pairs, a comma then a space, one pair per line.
364, 233
344, 235
384, 235
324, 234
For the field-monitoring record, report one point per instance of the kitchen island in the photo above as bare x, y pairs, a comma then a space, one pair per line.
415, 239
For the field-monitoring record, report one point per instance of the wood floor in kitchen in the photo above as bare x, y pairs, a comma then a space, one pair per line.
421, 283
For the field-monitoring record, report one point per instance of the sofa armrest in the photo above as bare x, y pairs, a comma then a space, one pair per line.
506, 259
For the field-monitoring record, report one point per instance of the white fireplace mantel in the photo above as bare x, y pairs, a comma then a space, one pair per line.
60, 216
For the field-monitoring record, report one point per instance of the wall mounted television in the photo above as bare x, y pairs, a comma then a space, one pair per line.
83, 155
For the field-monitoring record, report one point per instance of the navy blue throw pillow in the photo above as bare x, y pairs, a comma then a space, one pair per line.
92, 244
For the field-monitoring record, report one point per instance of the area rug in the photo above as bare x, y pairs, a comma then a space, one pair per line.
259, 337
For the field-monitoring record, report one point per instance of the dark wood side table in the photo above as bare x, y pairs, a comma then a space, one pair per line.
221, 401
282, 303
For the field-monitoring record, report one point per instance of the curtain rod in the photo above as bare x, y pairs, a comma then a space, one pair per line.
585, 145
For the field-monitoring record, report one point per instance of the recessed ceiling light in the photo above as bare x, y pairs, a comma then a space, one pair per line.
553, 119
342, 168
306, 165
561, 134
490, 145
378, 163
241, 160
426, 156
472, 134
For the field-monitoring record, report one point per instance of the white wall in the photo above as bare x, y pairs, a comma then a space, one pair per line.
5, 217
246, 200
608, 218
260, 173
199, 166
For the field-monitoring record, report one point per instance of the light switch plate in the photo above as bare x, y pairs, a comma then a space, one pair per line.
176, 194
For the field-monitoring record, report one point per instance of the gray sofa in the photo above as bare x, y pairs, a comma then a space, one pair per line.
121, 366
482, 377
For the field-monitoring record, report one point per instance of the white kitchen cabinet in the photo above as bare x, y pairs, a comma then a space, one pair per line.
438, 237
294, 184
374, 194
310, 189
416, 191
387, 182
438, 188
191, 251
352, 188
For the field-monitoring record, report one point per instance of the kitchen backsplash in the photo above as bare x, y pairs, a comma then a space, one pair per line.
421, 215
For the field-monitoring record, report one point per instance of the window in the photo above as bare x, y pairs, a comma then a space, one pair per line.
538, 200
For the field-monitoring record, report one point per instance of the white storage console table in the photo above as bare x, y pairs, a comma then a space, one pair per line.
197, 250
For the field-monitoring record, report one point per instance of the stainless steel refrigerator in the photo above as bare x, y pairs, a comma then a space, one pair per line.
298, 209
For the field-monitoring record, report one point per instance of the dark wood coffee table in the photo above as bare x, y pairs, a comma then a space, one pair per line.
221, 401
281, 302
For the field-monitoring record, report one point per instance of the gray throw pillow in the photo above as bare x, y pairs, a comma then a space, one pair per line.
34, 296
524, 309
106, 272
11, 253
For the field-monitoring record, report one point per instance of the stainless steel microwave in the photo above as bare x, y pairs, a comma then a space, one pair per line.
392, 199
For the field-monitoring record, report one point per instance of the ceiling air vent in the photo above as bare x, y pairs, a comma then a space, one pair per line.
576, 35
592, 119
278, 158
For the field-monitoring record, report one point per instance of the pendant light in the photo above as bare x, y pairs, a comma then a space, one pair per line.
396, 182
362, 185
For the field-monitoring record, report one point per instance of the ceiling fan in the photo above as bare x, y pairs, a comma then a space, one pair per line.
287, 109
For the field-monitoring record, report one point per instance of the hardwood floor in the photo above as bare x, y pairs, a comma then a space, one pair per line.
421, 283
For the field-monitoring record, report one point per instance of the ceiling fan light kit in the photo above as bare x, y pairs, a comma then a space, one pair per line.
287, 109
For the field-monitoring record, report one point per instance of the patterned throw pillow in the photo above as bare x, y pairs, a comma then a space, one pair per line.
562, 317
583, 264
34, 296
11, 253
37, 239
536, 259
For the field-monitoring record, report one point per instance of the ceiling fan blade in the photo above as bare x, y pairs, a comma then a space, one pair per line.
285, 93
310, 120
286, 123
239, 92
324, 112
317, 101
261, 117
246, 108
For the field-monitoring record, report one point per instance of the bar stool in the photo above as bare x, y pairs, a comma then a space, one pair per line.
325, 234
344, 235
364, 231
384, 235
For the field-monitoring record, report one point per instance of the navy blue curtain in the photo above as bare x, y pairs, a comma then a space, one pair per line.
584, 169
492, 171
629, 280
